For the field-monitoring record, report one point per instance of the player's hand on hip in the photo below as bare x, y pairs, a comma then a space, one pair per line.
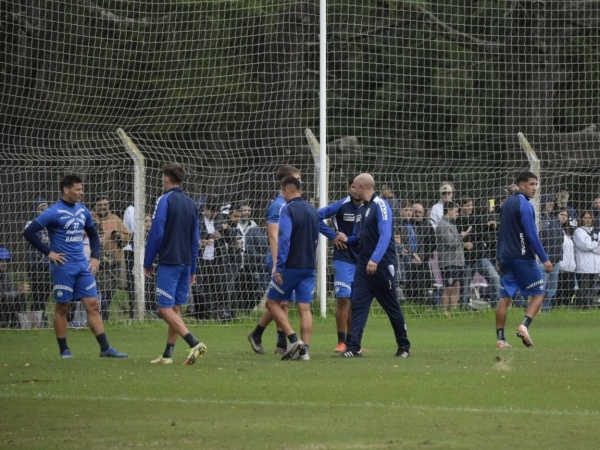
371, 267
57, 258
94, 266
548, 266
149, 272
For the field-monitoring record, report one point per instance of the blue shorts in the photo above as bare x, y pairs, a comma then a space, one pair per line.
343, 278
523, 274
172, 285
300, 281
72, 282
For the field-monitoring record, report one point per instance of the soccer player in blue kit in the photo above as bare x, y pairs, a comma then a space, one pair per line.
174, 237
72, 275
343, 214
518, 245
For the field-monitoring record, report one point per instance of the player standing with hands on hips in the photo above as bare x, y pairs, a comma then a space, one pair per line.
72, 275
518, 245
174, 237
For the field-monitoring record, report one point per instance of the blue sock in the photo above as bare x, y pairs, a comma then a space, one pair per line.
103, 341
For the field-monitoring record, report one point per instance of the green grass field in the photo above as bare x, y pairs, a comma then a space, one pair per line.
455, 391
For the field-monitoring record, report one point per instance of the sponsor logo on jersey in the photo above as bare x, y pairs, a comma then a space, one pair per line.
62, 287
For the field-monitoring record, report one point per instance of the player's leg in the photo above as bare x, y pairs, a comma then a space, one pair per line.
60, 328
531, 282
344, 275
508, 289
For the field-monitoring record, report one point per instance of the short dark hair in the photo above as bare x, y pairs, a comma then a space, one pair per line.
68, 181
405, 204
525, 176
291, 181
465, 200
448, 206
286, 171
175, 172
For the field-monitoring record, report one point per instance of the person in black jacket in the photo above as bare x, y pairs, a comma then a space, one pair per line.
476, 246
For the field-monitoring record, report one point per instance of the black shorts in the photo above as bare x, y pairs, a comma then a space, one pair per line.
453, 274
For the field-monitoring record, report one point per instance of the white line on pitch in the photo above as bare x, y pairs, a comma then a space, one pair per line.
372, 405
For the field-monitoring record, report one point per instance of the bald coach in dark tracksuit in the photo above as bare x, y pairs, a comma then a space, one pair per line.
376, 270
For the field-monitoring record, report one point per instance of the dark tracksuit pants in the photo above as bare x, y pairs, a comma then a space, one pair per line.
382, 286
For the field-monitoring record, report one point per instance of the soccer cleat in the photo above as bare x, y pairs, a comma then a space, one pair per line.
256, 345
195, 353
292, 349
111, 352
162, 360
351, 354
299, 357
402, 353
503, 344
67, 354
341, 348
524, 335
279, 351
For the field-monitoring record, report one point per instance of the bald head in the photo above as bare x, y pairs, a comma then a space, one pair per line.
364, 185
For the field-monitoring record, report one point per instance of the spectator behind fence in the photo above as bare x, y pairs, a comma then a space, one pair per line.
247, 283
437, 210
566, 276
587, 259
478, 229
595, 209
38, 268
551, 235
13, 296
451, 256
562, 202
129, 222
420, 281
113, 235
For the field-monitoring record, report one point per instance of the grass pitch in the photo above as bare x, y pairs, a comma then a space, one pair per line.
455, 391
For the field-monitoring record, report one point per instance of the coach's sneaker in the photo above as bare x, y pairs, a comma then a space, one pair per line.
402, 353
67, 354
111, 352
256, 345
162, 360
341, 348
503, 344
351, 354
292, 349
524, 335
195, 353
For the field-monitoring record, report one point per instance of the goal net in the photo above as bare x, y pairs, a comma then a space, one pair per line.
423, 95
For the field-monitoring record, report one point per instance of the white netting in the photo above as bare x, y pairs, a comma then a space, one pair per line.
416, 92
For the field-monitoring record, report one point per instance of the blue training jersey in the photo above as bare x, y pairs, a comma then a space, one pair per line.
175, 232
298, 236
343, 214
66, 224
373, 233
272, 216
518, 236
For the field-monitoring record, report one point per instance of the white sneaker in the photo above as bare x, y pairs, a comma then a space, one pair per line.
503, 344
195, 353
523, 333
299, 357
162, 360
